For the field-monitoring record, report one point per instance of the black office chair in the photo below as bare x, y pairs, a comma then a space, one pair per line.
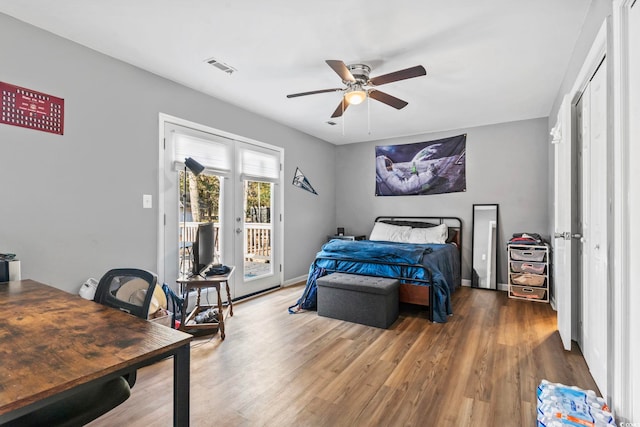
78, 409
130, 290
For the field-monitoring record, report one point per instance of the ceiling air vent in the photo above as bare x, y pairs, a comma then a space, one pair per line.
221, 66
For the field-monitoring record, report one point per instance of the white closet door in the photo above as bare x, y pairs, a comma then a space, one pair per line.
562, 140
594, 226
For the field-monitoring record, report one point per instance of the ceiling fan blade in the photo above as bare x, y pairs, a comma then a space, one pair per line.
407, 73
341, 70
341, 108
385, 98
313, 92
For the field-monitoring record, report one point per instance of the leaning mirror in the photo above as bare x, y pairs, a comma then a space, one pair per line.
484, 248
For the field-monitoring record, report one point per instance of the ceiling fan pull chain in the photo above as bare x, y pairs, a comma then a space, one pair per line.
368, 114
343, 118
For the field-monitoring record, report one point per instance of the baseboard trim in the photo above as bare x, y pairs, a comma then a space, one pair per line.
294, 281
501, 286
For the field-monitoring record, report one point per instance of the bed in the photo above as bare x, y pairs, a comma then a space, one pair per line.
423, 253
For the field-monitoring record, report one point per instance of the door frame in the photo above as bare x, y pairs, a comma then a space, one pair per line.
623, 379
164, 119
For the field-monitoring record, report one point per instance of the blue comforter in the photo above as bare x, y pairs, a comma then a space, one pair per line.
376, 258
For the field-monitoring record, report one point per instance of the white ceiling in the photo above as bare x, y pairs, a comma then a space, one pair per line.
488, 61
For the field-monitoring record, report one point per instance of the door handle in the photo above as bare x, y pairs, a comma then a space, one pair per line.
238, 230
568, 236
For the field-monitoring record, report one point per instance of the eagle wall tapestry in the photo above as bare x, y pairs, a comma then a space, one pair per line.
421, 168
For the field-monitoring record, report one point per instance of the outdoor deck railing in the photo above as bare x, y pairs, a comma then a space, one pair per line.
257, 245
258, 241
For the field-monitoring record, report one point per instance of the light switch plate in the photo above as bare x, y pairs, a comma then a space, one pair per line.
147, 201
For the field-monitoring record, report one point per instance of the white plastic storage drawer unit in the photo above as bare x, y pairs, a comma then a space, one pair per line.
528, 293
528, 279
528, 267
528, 272
533, 253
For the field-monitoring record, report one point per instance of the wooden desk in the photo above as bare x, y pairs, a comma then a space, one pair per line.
199, 283
53, 344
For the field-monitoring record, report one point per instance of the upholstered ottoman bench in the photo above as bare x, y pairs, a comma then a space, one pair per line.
371, 301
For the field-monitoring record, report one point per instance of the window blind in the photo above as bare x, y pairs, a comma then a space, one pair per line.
259, 165
215, 155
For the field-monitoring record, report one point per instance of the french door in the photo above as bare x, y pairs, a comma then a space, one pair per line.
238, 191
256, 219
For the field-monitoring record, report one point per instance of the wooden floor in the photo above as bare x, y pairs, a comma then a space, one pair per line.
276, 369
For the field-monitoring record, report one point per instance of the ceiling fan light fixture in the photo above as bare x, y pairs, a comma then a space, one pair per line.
359, 87
355, 95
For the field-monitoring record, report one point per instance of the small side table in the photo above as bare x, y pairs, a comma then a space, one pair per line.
199, 283
347, 237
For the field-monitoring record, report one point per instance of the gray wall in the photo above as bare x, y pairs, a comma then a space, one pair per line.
506, 164
598, 12
71, 205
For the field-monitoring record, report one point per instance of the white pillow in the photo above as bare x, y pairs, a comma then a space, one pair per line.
437, 234
390, 233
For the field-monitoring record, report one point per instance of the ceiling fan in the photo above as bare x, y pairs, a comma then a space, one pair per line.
360, 86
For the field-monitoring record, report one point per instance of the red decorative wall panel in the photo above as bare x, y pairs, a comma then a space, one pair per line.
30, 109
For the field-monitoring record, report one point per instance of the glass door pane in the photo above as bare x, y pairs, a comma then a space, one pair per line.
258, 230
199, 203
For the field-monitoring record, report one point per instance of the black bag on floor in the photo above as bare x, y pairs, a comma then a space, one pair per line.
174, 304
